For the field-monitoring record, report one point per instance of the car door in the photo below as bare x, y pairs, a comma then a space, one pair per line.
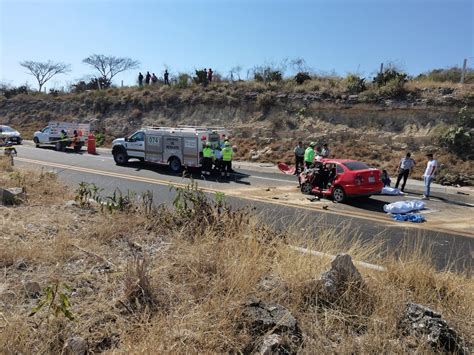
43, 135
136, 145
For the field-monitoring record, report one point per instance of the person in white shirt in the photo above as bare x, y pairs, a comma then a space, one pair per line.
404, 169
325, 151
429, 175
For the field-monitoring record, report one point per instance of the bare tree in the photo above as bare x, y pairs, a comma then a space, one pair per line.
109, 66
43, 71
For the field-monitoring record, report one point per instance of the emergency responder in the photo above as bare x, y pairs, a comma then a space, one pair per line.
227, 154
207, 156
62, 140
309, 156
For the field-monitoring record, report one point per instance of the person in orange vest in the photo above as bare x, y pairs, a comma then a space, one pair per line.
227, 154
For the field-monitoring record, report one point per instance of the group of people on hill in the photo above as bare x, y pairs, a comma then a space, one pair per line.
151, 79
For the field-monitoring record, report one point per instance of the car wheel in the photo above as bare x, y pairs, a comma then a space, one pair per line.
306, 188
175, 165
338, 194
121, 157
36, 141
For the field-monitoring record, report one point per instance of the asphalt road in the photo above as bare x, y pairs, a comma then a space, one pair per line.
362, 219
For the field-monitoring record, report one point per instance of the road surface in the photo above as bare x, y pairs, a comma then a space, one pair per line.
449, 231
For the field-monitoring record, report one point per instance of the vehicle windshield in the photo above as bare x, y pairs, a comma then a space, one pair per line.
6, 129
356, 165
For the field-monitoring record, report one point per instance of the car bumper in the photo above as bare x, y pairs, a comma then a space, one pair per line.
364, 190
15, 139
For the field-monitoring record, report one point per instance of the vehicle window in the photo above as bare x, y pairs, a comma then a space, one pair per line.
137, 137
339, 169
356, 165
45, 130
7, 129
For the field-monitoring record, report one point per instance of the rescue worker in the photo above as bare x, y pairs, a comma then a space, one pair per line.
227, 154
62, 140
207, 156
309, 156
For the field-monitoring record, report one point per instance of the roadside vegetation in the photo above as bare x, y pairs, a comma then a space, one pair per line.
122, 272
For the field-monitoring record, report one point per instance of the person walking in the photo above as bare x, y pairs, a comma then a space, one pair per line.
140, 79
299, 157
207, 156
166, 77
309, 156
147, 78
404, 170
227, 154
429, 175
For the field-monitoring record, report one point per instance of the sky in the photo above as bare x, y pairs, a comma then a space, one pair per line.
340, 36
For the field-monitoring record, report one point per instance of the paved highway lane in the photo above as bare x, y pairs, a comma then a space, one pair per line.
249, 189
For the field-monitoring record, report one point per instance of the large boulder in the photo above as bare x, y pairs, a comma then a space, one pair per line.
273, 327
424, 323
342, 275
11, 196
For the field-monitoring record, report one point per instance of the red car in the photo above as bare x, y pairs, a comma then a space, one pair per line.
343, 178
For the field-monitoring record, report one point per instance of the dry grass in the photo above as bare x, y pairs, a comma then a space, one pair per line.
166, 280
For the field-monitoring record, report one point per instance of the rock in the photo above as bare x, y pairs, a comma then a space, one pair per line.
32, 288
263, 317
274, 328
22, 266
422, 322
75, 346
353, 97
11, 196
70, 203
340, 277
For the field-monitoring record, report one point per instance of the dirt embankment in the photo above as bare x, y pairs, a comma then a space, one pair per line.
265, 124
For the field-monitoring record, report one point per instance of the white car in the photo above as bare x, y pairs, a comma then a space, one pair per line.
10, 135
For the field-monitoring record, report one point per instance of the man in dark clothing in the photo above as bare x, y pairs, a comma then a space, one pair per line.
209, 74
299, 158
147, 78
166, 77
140, 79
405, 167
154, 79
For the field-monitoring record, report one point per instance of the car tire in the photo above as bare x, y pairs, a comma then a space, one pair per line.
306, 188
120, 157
36, 141
338, 194
175, 165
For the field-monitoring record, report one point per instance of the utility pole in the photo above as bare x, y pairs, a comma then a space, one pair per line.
463, 73
381, 68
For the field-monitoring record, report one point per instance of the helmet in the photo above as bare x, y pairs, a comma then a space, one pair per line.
208, 144
227, 144
312, 144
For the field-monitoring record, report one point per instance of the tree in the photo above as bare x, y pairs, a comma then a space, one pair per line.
44, 71
109, 66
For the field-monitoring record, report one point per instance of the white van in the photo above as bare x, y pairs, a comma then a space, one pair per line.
175, 146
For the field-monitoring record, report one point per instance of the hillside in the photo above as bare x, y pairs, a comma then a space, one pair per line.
267, 119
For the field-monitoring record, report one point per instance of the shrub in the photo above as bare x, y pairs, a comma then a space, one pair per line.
393, 88
301, 77
99, 139
93, 84
459, 139
389, 75
448, 75
355, 84
201, 77
183, 80
9, 92
267, 74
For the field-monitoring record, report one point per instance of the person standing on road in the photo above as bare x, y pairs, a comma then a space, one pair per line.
299, 158
207, 156
429, 175
309, 156
404, 170
227, 154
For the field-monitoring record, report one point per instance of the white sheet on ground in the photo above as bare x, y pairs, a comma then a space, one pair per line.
387, 190
404, 206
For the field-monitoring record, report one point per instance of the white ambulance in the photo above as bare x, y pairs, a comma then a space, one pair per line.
177, 147
51, 134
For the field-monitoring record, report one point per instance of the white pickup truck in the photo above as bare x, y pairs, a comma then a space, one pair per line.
51, 135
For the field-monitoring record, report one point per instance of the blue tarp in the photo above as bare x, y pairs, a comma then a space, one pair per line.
411, 217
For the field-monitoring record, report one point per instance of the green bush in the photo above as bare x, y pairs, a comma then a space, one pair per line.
452, 75
354, 84
183, 80
301, 77
267, 74
459, 139
201, 77
93, 84
9, 92
99, 139
390, 75
392, 89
